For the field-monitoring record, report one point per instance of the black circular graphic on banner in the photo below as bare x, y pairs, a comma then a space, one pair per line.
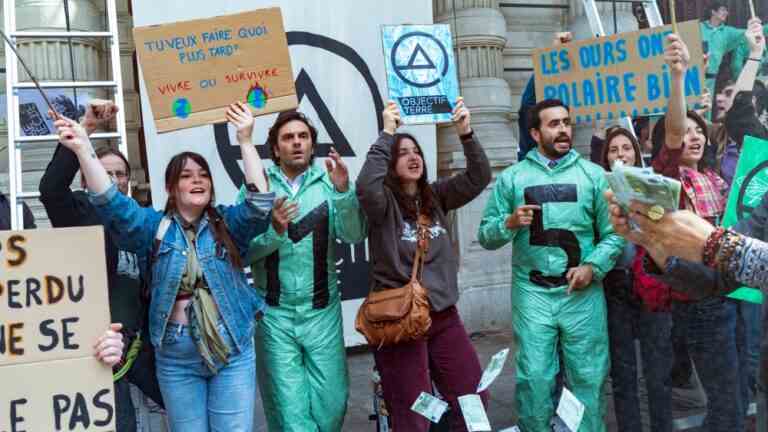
742, 210
411, 59
230, 154
351, 259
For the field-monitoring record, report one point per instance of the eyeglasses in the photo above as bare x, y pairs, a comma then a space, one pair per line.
119, 175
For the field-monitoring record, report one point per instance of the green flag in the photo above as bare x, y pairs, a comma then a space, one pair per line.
750, 183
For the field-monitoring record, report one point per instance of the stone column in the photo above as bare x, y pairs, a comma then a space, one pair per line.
479, 31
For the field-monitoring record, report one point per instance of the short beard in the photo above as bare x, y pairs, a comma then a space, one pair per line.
550, 151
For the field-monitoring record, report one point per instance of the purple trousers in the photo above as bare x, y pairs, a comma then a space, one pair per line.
445, 356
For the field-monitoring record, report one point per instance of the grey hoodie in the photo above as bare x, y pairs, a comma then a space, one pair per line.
392, 240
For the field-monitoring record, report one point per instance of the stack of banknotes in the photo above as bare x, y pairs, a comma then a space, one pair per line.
643, 185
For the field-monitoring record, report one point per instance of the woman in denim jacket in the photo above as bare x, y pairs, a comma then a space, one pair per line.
202, 312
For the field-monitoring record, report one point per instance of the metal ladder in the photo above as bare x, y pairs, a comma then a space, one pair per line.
16, 142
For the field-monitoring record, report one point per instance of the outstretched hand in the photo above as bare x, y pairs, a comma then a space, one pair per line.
337, 171
109, 348
98, 113
680, 233
72, 134
579, 277
755, 38
461, 117
242, 119
283, 213
676, 54
391, 115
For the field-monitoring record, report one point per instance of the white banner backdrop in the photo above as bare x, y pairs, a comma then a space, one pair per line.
338, 64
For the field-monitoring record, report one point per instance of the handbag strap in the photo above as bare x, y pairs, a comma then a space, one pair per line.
422, 245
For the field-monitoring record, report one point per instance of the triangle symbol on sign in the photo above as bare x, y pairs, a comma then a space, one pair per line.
306, 87
419, 60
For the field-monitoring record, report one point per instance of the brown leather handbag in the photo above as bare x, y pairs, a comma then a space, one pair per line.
396, 315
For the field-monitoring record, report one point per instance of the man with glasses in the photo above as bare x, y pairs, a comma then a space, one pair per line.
67, 208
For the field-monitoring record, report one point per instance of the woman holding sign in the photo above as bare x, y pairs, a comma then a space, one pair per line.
202, 311
709, 324
405, 210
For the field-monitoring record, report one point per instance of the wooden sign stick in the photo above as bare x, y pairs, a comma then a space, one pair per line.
752, 8
673, 15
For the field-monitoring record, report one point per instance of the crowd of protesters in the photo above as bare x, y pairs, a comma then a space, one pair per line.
581, 293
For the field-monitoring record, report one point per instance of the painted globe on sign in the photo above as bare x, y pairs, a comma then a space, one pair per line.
181, 108
257, 97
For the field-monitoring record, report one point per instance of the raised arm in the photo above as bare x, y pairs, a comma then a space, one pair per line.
55, 193
677, 58
456, 191
370, 182
73, 136
135, 224
756, 43
240, 116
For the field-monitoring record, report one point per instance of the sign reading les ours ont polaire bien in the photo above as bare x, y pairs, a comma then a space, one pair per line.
195, 69
617, 76
53, 307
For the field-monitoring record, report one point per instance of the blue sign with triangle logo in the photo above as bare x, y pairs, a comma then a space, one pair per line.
421, 71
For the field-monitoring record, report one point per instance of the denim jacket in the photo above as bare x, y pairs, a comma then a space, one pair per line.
237, 301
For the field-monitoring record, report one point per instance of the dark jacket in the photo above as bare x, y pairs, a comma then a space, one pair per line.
527, 101
742, 119
5, 215
66, 208
392, 238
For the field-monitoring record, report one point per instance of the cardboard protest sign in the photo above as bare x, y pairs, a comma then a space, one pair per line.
750, 183
617, 76
54, 306
421, 71
195, 69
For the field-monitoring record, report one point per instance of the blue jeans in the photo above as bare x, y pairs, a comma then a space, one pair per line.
749, 333
710, 330
125, 414
195, 399
626, 322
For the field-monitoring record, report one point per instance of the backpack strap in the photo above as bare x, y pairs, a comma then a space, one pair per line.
162, 229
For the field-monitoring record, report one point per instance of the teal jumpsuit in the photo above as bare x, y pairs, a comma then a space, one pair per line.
719, 41
561, 236
741, 55
300, 354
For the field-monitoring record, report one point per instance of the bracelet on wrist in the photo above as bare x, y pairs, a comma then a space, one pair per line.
711, 247
730, 243
755, 59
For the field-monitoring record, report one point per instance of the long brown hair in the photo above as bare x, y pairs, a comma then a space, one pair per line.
426, 202
659, 133
613, 133
218, 227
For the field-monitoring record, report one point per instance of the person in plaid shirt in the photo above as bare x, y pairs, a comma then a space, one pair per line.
708, 325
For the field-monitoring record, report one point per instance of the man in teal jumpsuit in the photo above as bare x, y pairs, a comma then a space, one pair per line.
299, 342
718, 39
551, 207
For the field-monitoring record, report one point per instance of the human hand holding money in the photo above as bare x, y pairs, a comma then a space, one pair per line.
644, 186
